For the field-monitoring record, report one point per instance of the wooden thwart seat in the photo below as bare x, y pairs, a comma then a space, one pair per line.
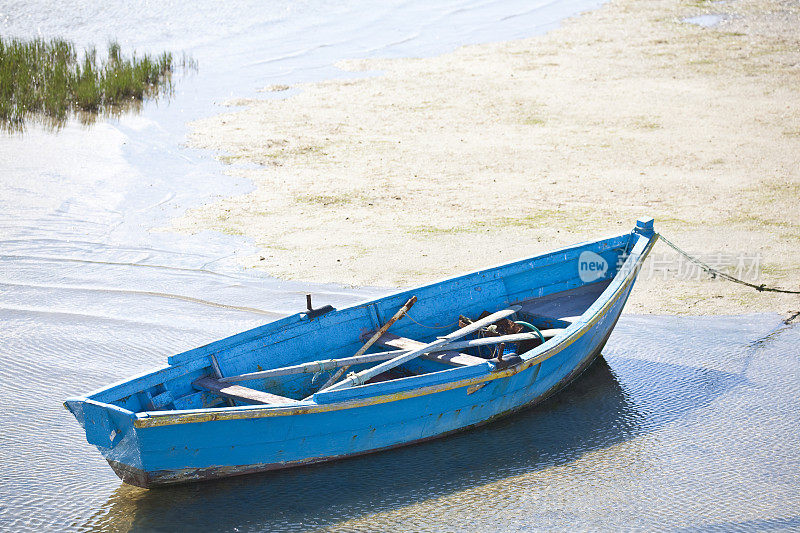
454, 358
237, 392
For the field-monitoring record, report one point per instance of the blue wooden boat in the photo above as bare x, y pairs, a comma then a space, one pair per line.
420, 364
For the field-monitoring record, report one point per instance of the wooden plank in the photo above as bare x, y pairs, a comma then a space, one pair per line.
237, 392
454, 358
390, 340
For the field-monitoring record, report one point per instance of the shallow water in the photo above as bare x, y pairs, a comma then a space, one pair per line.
92, 196
691, 423
686, 423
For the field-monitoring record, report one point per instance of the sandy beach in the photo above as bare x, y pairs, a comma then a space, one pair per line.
426, 168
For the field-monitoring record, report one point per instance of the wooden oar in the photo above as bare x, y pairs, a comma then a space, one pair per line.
365, 375
218, 374
487, 341
312, 367
397, 316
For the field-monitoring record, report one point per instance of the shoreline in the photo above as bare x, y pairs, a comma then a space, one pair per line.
499, 151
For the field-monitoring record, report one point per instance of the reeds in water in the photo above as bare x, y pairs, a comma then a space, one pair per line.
48, 81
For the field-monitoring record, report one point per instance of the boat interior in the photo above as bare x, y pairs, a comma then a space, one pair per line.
287, 361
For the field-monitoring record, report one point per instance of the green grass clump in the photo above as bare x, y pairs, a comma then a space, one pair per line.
47, 81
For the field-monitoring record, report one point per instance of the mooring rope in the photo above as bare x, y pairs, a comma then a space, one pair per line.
714, 272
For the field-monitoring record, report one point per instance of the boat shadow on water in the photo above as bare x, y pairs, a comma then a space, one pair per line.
597, 411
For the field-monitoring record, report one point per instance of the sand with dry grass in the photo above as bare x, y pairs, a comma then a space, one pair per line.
495, 152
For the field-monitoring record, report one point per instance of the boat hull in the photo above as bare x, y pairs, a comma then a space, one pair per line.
247, 446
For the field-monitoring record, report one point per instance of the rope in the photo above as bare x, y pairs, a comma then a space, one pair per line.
431, 327
531, 327
714, 272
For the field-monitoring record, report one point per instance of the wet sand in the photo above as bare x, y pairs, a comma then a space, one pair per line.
426, 168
